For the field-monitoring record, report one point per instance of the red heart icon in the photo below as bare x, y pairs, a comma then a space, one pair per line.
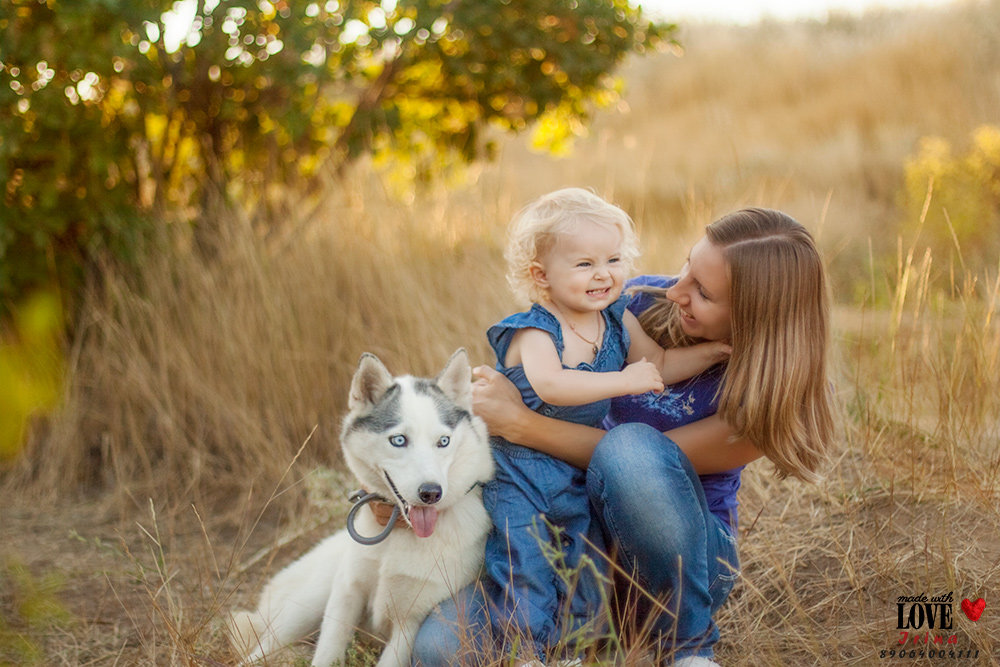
973, 609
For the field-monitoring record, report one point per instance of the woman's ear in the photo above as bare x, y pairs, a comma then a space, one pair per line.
537, 272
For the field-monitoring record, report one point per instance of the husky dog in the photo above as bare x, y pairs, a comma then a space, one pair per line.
416, 443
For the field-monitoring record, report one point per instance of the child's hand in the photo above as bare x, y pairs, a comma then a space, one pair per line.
642, 376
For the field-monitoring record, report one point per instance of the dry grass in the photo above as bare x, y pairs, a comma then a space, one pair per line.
215, 360
204, 394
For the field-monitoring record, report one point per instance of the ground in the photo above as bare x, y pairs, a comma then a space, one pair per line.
823, 569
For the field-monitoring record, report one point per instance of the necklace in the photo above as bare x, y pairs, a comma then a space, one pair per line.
592, 343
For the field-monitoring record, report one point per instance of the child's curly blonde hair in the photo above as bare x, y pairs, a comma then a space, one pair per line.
535, 228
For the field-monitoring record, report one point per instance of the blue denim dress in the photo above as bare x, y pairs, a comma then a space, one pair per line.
539, 505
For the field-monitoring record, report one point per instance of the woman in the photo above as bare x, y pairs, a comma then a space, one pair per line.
663, 479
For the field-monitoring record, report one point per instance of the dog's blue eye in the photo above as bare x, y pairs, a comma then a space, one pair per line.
397, 440
444, 441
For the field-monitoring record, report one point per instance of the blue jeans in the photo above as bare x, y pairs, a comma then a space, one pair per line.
458, 632
651, 504
539, 584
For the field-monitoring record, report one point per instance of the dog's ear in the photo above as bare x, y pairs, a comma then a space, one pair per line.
456, 379
369, 384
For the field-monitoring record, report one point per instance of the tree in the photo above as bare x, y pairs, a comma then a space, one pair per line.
116, 112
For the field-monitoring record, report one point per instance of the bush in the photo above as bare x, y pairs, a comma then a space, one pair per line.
953, 201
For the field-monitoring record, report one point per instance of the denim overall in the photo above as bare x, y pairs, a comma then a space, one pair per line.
539, 504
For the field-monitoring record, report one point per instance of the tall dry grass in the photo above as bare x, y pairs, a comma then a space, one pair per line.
208, 370
816, 118
204, 394
910, 506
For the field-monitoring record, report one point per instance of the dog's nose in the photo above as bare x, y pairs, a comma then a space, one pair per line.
429, 493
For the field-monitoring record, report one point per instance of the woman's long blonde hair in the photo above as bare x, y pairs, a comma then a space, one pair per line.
775, 390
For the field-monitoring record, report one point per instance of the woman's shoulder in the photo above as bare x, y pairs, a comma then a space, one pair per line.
650, 280
640, 299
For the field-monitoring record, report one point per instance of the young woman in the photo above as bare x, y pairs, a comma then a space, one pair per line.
663, 479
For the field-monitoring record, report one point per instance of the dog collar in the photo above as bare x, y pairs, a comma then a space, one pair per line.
380, 506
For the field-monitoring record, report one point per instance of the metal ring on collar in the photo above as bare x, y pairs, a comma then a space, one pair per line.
358, 537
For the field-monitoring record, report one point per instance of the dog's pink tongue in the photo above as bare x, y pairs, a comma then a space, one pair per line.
423, 518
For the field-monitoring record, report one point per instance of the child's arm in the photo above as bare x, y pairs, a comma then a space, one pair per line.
675, 364
556, 385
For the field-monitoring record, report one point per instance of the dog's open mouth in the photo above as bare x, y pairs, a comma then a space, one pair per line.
422, 518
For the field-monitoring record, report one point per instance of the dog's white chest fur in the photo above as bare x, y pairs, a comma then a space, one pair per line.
426, 574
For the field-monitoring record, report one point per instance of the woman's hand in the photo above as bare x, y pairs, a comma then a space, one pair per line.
496, 400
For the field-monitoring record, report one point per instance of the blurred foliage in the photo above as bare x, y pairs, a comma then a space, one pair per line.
114, 113
31, 369
963, 210
29, 606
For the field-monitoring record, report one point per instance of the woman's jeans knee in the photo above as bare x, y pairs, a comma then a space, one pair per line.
652, 507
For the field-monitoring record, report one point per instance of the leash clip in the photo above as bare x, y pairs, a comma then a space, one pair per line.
360, 498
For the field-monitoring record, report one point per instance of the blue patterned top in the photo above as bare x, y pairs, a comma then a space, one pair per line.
684, 402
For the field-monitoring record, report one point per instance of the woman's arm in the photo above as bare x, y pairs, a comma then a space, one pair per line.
710, 445
498, 402
495, 399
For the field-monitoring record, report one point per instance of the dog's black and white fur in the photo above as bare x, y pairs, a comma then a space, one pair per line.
415, 442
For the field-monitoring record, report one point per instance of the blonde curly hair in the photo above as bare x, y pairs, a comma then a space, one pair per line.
534, 230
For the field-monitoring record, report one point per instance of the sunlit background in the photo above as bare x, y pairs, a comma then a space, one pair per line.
199, 236
180, 19
778, 10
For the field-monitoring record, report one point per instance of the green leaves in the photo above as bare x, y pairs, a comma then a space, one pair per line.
171, 103
952, 201
31, 369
